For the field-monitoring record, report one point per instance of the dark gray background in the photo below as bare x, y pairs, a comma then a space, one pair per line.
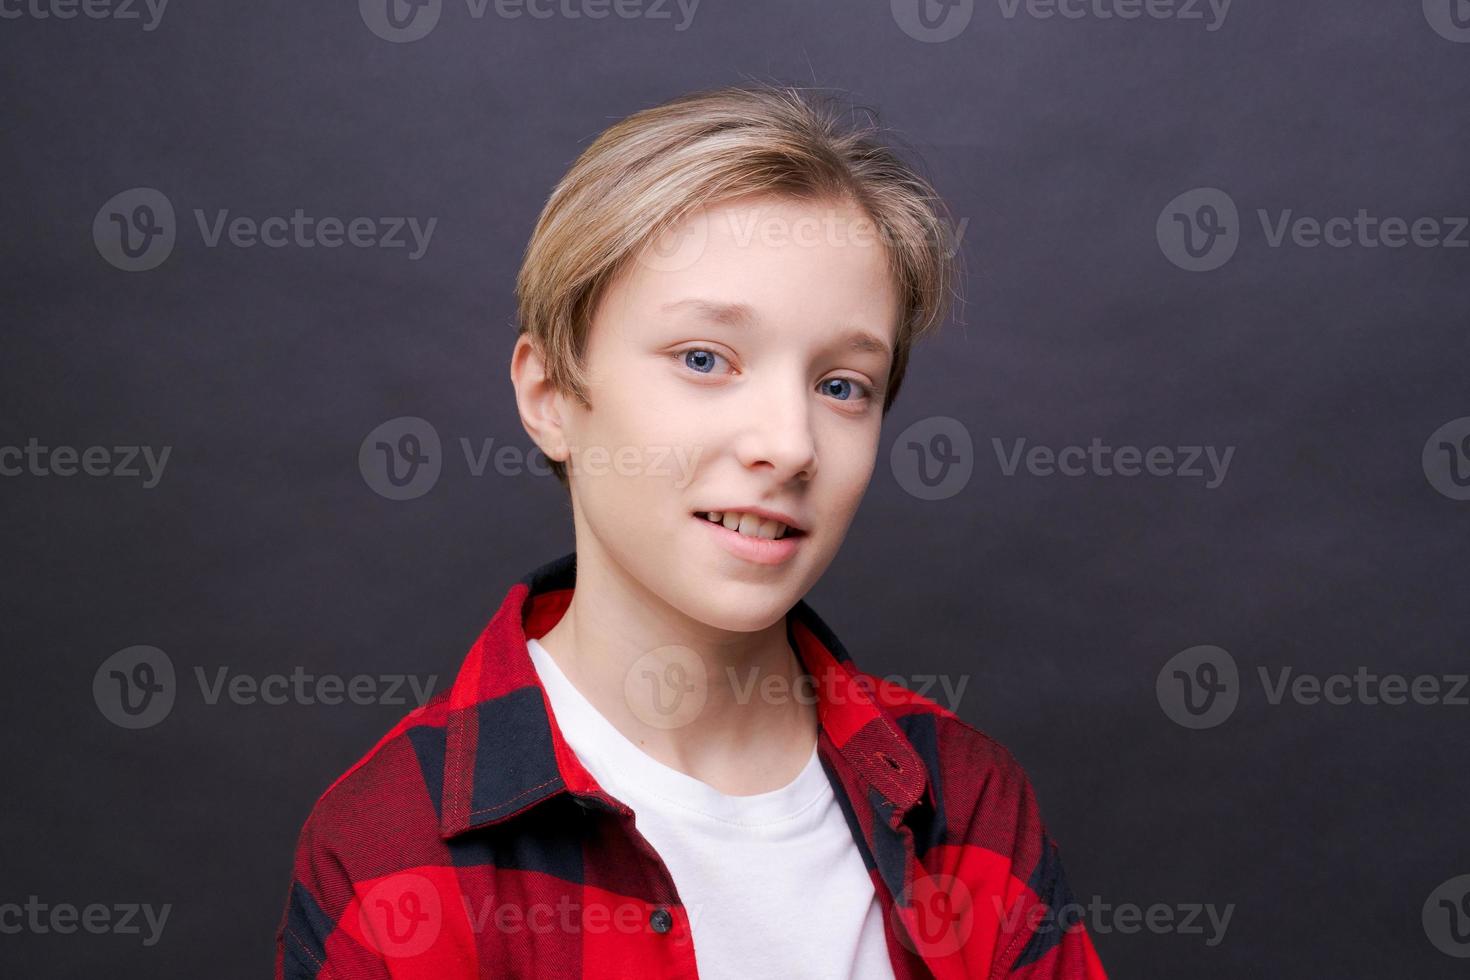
1060, 599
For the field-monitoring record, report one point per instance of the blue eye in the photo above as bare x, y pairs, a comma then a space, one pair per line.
835, 387
700, 360
704, 360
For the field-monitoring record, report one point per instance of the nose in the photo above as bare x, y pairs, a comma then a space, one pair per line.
777, 435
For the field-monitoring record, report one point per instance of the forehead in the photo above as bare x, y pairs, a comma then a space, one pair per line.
766, 260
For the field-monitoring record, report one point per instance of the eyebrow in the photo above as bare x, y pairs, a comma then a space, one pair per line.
741, 315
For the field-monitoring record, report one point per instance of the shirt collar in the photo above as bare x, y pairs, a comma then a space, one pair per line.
504, 752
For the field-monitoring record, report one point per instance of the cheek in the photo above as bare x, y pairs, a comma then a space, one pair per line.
656, 416
647, 442
853, 444
849, 458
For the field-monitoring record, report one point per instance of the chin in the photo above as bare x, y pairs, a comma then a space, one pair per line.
740, 608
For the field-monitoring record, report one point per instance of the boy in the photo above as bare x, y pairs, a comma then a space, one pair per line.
657, 760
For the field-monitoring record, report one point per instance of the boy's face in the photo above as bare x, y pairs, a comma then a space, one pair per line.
718, 408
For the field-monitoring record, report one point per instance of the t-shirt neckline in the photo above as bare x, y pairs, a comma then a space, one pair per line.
603, 748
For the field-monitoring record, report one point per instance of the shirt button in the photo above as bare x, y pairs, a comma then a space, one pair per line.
661, 920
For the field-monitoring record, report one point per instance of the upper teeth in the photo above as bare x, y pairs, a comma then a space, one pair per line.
748, 524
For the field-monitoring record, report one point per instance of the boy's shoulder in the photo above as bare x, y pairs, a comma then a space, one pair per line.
950, 746
384, 787
962, 761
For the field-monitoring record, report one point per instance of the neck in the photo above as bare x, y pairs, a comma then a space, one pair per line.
724, 707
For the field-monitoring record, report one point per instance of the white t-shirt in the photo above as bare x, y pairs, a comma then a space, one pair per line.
773, 883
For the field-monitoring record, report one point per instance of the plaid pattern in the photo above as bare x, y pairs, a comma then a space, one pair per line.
470, 842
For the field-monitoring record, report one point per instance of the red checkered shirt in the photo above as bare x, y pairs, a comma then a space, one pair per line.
471, 842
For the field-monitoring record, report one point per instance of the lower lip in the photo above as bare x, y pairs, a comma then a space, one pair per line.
762, 551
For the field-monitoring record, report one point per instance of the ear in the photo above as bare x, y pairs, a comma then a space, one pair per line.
539, 403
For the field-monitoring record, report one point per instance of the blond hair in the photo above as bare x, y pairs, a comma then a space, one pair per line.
647, 172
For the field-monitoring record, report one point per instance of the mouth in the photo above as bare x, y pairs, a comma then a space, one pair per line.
751, 525
759, 540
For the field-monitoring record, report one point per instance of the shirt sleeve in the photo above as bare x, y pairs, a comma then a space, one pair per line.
1045, 938
1041, 934
311, 943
